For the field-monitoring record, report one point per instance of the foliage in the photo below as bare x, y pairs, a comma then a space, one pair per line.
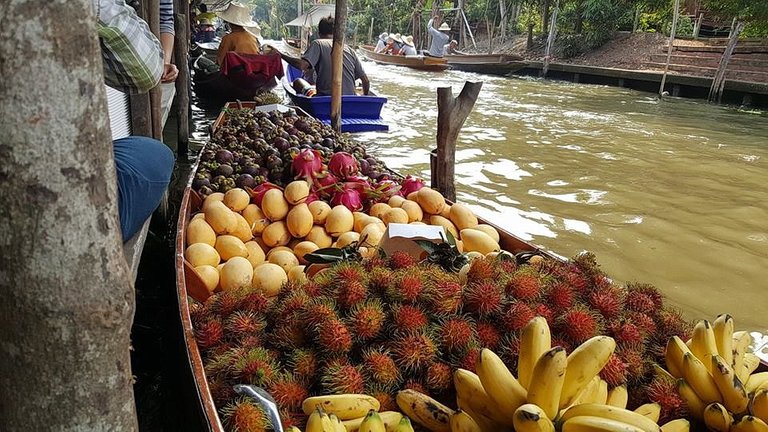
684, 27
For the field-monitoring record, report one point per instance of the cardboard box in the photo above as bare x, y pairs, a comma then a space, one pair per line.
400, 237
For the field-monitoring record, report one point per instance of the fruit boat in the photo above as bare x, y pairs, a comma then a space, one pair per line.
420, 62
189, 285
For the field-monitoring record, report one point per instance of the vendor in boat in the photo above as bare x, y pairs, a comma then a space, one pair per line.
439, 35
318, 57
408, 46
382, 42
450, 48
243, 38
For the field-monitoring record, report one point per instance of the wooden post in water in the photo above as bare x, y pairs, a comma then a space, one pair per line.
671, 47
155, 95
718, 83
181, 50
550, 39
337, 60
140, 107
451, 115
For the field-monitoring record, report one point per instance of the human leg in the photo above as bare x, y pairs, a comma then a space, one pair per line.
144, 167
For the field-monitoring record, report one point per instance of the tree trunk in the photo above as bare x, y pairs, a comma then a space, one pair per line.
416, 24
545, 16
579, 26
66, 304
503, 18
337, 62
451, 115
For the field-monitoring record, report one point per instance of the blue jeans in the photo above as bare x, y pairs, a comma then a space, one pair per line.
144, 167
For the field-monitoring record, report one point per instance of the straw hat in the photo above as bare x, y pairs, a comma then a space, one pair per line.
384, 36
239, 14
397, 38
408, 40
444, 27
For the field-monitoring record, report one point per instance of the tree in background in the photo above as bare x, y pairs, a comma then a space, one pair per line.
753, 12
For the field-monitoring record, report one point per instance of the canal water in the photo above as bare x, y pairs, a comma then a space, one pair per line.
669, 192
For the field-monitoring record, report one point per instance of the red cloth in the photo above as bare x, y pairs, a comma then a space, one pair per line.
244, 65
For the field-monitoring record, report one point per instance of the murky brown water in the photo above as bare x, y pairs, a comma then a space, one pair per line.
670, 193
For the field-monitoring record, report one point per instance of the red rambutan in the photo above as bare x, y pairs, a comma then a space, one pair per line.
287, 392
221, 390
257, 366
488, 335
626, 333
525, 286
561, 296
241, 324
254, 302
642, 321
562, 342
439, 377
295, 418
380, 279
250, 341
664, 392
414, 351
417, 386
289, 334
407, 318
291, 302
614, 372
379, 366
342, 377
407, 288
313, 289
333, 337
481, 269
650, 291
349, 272
609, 302
303, 363
636, 365
670, 322
509, 350
244, 415
445, 296
350, 293
197, 312
455, 333
579, 324
401, 260
545, 312
640, 302
384, 395
209, 333
516, 315
484, 298
366, 320
576, 281
319, 310
507, 266
374, 262
469, 359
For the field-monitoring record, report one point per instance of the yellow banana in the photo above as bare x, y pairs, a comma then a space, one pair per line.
601, 394
535, 340
741, 342
315, 422
650, 410
618, 396
531, 418
677, 425
462, 422
547, 381
338, 426
404, 426
588, 395
499, 383
610, 412
730, 387
597, 424
485, 423
292, 429
345, 406
470, 389
749, 424
759, 405
692, 401
372, 423
584, 363
424, 410
723, 329
673, 355
697, 375
663, 373
327, 422
390, 418
703, 344
751, 362
756, 382
717, 418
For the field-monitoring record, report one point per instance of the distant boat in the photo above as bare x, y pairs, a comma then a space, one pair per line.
359, 113
492, 64
420, 62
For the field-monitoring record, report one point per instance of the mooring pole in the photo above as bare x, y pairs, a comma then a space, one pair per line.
337, 58
181, 51
550, 39
670, 47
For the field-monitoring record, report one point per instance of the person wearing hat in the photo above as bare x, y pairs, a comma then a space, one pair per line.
408, 46
240, 39
381, 43
440, 37
450, 48
317, 57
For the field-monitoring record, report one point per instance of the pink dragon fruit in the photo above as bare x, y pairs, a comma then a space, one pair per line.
325, 183
343, 165
386, 188
307, 164
410, 184
349, 198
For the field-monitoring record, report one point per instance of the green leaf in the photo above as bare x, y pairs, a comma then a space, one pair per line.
450, 239
325, 256
427, 245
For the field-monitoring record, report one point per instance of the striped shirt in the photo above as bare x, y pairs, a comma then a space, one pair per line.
166, 17
132, 55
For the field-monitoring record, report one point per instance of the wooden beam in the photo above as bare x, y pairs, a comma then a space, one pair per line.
337, 61
155, 95
676, 13
181, 50
550, 39
451, 115
718, 82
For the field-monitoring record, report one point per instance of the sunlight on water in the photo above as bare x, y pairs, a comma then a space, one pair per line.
671, 193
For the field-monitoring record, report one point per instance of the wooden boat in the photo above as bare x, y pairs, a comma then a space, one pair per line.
420, 62
211, 84
359, 113
491, 64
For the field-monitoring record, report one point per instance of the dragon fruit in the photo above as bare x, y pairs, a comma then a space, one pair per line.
410, 184
343, 165
258, 192
349, 198
307, 164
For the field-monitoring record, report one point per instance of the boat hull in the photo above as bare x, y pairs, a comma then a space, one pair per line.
491, 64
420, 62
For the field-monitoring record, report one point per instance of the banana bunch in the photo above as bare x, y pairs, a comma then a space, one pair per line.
714, 372
351, 413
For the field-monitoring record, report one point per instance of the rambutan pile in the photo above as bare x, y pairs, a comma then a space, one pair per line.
387, 324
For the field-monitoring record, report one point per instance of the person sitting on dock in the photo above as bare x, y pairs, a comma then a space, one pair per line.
450, 48
440, 37
240, 39
408, 47
318, 57
133, 62
382, 42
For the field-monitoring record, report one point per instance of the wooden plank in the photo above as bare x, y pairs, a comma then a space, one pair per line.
133, 248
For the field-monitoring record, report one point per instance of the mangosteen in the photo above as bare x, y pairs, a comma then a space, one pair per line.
365, 167
200, 181
328, 142
245, 181
224, 170
263, 172
281, 144
251, 169
208, 156
273, 162
224, 156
